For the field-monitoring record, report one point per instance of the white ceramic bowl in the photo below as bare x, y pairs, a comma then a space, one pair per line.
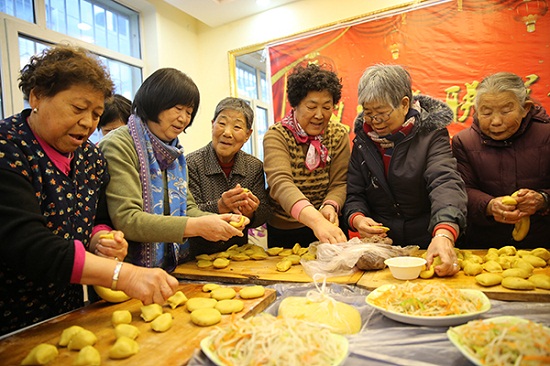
405, 268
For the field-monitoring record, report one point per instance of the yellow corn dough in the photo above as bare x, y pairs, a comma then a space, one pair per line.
206, 317
68, 333
162, 323
223, 293
82, 339
124, 347
252, 292
229, 306
151, 312
121, 317
176, 299
127, 330
88, 356
195, 303
41, 355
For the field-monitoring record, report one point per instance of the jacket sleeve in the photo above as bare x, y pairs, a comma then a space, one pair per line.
339, 171
278, 171
258, 188
356, 186
445, 186
477, 199
124, 195
26, 244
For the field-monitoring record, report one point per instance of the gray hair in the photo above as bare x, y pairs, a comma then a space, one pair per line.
385, 84
238, 105
503, 82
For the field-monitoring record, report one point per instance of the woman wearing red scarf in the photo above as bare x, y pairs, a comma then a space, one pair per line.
402, 174
306, 159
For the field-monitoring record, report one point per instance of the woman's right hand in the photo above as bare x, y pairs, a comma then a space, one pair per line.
367, 227
215, 227
150, 285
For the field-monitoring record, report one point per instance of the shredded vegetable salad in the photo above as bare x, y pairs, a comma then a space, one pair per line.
418, 299
267, 340
502, 343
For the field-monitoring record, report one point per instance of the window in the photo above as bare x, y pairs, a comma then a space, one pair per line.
252, 85
107, 28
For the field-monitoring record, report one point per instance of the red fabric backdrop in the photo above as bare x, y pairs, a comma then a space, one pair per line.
448, 48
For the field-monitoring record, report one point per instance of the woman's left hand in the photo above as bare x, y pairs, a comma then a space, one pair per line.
442, 247
116, 248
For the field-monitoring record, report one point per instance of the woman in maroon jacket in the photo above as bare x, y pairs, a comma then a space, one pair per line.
506, 150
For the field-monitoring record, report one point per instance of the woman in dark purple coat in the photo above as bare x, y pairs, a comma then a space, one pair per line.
506, 150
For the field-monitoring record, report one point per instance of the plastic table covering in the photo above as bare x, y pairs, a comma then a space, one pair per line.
383, 341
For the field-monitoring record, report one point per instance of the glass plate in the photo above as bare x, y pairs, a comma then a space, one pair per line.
433, 321
453, 337
206, 342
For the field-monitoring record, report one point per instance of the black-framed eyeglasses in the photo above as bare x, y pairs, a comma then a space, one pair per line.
380, 117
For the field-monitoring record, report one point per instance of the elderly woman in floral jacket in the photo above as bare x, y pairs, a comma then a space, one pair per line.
402, 175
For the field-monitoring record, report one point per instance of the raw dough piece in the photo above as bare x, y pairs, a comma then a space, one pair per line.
252, 292
541, 280
517, 283
121, 317
88, 356
41, 355
162, 323
124, 347
150, 312
126, 330
489, 279
195, 303
516, 272
206, 317
209, 287
339, 317
82, 339
68, 333
229, 306
223, 293
221, 262
176, 299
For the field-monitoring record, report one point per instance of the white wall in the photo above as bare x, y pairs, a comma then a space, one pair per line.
202, 52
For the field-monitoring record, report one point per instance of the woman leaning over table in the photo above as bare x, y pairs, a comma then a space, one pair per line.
148, 196
51, 180
506, 149
306, 156
401, 173
225, 179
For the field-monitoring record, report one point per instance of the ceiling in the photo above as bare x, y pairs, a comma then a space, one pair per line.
215, 13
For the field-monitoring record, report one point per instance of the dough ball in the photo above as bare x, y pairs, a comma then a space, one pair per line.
162, 323
126, 330
229, 306
196, 303
489, 279
68, 333
121, 317
177, 299
82, 339
150, 312
88, 356
206, 317
41, 355
517, 283
124, 347
223, 293
209, 287
252, 292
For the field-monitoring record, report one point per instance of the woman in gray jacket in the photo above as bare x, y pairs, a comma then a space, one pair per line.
402, 174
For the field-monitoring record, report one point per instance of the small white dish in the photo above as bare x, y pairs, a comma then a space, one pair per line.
405, 268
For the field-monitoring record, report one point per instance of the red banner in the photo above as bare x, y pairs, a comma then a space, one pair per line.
448, 49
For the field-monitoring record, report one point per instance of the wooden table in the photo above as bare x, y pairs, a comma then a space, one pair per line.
174, 347
262, 272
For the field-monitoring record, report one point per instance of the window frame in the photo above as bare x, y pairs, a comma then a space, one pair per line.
11, 28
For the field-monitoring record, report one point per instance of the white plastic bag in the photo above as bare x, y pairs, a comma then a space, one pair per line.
340, 259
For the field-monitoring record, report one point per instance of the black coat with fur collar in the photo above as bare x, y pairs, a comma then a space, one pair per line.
423, 187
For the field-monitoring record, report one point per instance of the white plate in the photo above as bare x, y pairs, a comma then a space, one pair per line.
433, 321
206, 342
453, 337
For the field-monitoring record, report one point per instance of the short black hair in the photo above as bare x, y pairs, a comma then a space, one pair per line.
162, 90
117, 107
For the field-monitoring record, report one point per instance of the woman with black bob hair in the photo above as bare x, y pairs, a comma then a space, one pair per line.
148, 196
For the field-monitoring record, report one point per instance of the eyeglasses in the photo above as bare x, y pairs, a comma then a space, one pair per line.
380, 117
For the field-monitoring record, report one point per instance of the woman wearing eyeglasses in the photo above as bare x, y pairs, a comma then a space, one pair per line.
401, 174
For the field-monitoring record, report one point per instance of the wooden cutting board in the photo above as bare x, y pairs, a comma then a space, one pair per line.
254, 271
174, 347
373, 279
